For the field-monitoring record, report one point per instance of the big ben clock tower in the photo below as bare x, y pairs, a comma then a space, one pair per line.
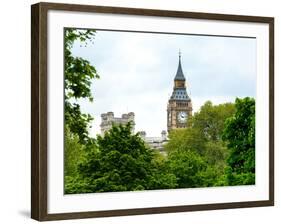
179, 106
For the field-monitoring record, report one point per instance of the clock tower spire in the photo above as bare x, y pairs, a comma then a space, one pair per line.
179, 106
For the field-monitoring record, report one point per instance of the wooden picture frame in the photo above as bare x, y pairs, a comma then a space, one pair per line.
39, 109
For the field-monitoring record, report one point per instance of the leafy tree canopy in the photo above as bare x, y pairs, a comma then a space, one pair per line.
79, 74
239, 133
197, 154
74, 153
211, 118
122, 162
187, 166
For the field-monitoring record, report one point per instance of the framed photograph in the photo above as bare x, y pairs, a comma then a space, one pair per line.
141, 111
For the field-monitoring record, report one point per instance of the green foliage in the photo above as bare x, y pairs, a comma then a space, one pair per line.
186, 139
79, 74
77, 121
240, 136
162, 177
122, 163
210, 119
197, 154
74, 153
186, 166
217, 149
75, 185
216, 153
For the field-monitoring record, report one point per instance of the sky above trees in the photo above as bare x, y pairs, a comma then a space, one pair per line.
137, 70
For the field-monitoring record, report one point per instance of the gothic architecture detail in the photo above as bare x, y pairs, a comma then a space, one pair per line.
179, 107
108, 119
156, 143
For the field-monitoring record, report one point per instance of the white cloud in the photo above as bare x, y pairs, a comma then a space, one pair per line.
137, 72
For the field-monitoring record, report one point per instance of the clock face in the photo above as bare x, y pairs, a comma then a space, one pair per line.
182, 117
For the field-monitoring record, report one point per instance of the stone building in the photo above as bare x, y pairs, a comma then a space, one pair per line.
179, 107
156, 143
108, 119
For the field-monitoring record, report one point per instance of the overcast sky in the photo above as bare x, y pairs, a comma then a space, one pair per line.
137, 71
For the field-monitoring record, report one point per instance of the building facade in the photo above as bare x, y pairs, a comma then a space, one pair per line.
108, 119
156, 143
179, 107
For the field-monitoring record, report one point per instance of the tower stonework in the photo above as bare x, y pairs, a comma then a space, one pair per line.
179, 107
108, 120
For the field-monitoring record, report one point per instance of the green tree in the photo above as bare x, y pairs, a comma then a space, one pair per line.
74, 155
187, 167
204, 133
216, 153
186, 139
201, 147
162, 177
211, 118
122, 162
240, 136
74, 152
215, 157
79, 74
